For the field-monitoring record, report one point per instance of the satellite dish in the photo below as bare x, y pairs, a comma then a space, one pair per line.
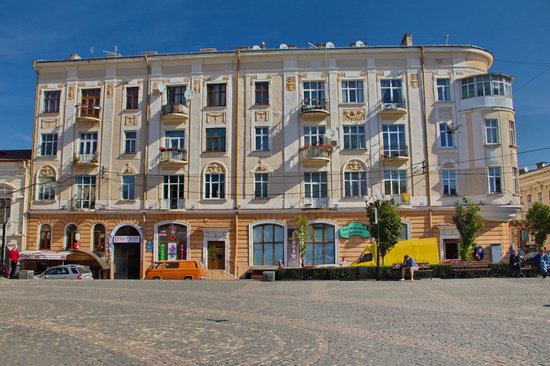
283, 46
329, 45
161, 87
330, 134
189, 94
256, 47
359, 44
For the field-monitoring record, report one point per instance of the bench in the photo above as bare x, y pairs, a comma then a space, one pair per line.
424, 270
471, 267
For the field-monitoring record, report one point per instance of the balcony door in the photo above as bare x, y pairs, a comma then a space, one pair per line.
90, 102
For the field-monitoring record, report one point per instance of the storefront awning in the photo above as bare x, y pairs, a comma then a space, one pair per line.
42, 255
86, 258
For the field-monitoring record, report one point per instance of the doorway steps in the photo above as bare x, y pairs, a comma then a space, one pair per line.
219, 275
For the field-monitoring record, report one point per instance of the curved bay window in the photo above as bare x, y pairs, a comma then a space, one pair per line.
70, 236
99, 237
45, 240
268, 244
321, 247
172, 242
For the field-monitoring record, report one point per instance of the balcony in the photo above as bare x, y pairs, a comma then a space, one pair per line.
403, 199
395, 152
88, 114
174, 113
172, 204
486, 91
315, 155
86, 160
315, 203
314, 109
393, 108
173, 157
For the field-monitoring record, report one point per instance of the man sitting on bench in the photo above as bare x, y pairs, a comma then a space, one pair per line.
408, 264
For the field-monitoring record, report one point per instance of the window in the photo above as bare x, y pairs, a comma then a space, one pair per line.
314, 94
320, 248
354, 137
262, 93
395, 182
85, 191
512, 129
391, 91
539, 196
260, 185
494, 180
443, 89
352, 91
215, 139
491, 131
355, 184
174, 139
394, 140
172, 189
128, 187
51, 101
449, 182
404, 231
314, 135
446, 138
486, 85
132, 95
48, 147
176, 95
71, 232
268, 244
214, 186
529, 201
172, 242
315, 185
46, 190
45, 239
216, 95
87, 147
515, 177
99, 237
262, 139
5, 208
130, 138
90, 103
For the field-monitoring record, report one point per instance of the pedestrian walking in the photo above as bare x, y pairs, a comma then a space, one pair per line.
13, 255
515, 264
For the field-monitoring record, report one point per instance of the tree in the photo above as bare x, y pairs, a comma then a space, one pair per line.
468, 222
538, 222
389, 224
301, 235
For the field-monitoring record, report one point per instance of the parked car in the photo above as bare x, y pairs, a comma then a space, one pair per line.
67, 272
176, 270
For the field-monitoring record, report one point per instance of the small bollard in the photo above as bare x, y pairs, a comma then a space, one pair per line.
26, 275
269, 276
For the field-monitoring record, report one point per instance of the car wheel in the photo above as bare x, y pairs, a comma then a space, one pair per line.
188, 278
157, 278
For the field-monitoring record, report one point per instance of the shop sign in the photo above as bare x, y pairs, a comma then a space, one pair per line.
127, 239
172, 251
149, 246
354, 228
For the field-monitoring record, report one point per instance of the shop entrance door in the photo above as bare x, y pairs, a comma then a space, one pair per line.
127, 253
216, 255
451, 249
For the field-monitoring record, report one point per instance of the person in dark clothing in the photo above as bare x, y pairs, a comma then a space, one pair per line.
515, 264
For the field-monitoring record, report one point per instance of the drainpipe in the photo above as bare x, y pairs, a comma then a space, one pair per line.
425, 128
29, 196
146, 137
237, 110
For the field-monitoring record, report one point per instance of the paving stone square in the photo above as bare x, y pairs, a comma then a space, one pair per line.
451, 322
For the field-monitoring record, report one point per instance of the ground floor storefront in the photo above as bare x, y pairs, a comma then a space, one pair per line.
235, 242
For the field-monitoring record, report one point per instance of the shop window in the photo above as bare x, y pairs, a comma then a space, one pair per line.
268, 244
99, 237
70, 236
321, 247
172, 242
45, 240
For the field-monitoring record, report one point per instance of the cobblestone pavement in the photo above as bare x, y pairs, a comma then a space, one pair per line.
452, 322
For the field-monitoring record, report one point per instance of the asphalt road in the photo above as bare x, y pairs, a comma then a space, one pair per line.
452, 322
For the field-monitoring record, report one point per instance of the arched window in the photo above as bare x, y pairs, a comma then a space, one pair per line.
99, 237
70, 236
45, 190
172, 242
268, 244
214, 182
45, 239
321, 247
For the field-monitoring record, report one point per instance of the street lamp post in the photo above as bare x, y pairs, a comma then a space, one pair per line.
376, 200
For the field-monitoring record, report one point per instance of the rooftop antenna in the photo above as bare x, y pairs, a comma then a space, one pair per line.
311, 45
92, 50
115, 54
446, 36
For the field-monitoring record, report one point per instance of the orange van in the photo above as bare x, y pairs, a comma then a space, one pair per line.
176, 270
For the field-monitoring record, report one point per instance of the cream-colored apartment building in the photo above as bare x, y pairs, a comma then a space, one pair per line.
211, 155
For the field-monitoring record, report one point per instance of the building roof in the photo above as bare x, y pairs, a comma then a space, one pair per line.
15, 155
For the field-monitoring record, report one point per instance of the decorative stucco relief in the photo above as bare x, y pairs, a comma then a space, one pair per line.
261, 116
197, 86
354, 115
110, 88
49, 123
413, 81
47, 171
214, 168
130, 120
215, 117
355, 165
71, 93
290, 83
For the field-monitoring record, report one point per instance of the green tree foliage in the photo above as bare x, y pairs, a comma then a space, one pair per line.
302, 234
389, 223
538, 222
468, 222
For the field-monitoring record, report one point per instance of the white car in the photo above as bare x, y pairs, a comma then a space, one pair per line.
67, 272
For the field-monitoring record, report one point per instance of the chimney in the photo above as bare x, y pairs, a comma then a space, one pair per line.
541, 164
407, 40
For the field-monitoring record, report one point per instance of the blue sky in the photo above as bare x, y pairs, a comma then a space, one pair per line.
517, 32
